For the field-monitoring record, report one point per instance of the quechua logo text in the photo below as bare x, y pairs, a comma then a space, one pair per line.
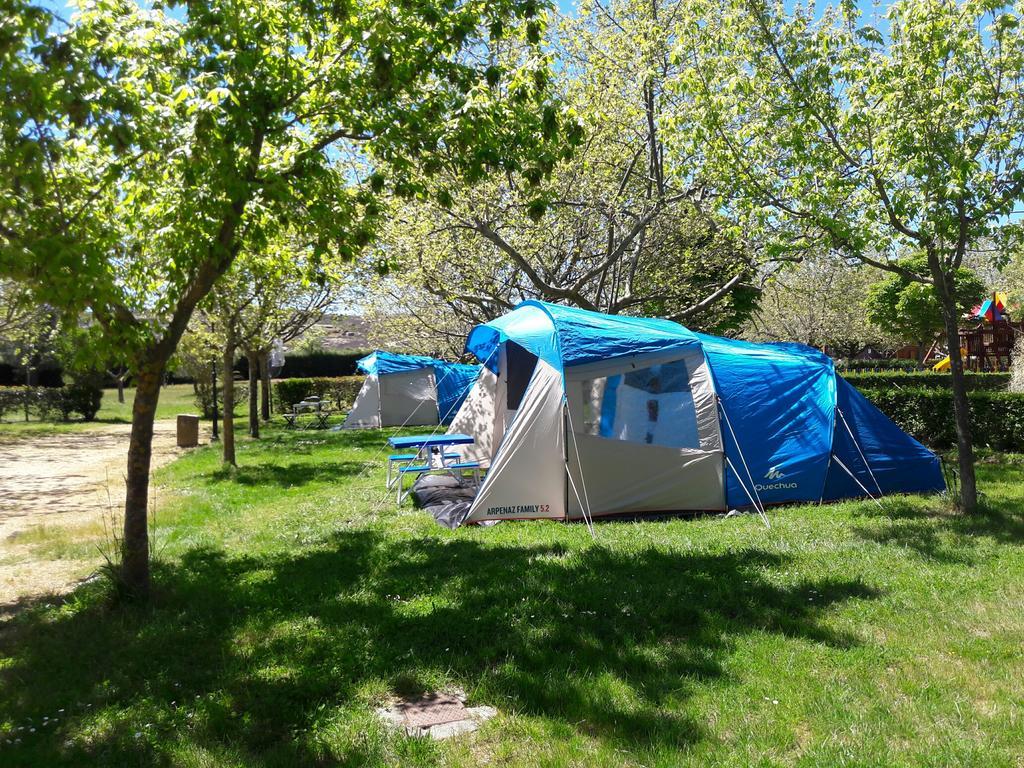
775, 478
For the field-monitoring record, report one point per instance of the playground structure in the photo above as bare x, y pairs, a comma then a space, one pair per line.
987, 345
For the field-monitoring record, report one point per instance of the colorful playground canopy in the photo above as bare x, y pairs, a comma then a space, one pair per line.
580, 413
992, 309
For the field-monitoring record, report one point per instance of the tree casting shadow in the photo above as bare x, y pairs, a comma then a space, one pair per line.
533, 629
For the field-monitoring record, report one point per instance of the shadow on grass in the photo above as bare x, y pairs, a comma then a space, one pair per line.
347, 438
288, 475
246, 654
942, 536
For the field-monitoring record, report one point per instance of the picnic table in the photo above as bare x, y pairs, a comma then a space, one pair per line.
319, 412
430, 456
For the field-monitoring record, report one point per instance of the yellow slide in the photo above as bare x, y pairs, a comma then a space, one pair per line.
944, 365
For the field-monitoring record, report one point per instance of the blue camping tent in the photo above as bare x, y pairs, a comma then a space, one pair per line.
411, 389
610, 414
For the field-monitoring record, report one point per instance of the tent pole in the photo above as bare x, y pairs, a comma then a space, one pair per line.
857, 445
858, 482
437, 394
743, 485
380, 407
586, 511
828, 466
565, 451
743, 459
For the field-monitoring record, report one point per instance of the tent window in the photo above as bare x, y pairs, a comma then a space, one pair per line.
650, 405
520, 364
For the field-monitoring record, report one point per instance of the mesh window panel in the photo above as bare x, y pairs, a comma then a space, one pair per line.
651, 405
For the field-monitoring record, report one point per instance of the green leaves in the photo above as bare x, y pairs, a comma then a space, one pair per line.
910, 309
146, 151
536, 209
876, 139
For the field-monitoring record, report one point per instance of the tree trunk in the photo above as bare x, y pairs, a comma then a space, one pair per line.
254, 404
120, 389
265, 405
228, 402
946, 291
135, 544
28, 384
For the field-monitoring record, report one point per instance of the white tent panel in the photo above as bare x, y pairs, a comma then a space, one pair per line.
480, 416
527, 478
408, 398
365, 413
620, 476
647, 435
705, 404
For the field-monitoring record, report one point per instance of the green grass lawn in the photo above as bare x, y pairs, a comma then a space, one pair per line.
292, 601
174, 399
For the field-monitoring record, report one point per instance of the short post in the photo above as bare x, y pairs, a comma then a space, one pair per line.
188, 430
213, 371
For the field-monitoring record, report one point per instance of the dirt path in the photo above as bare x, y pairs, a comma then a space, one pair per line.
56, 496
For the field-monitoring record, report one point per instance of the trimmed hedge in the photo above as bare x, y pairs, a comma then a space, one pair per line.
997, 418
49, 403
879, 365
296, 366
993, 382
340, 391
48, 374
314, 365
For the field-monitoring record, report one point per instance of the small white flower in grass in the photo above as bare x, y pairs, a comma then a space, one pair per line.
138, 734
